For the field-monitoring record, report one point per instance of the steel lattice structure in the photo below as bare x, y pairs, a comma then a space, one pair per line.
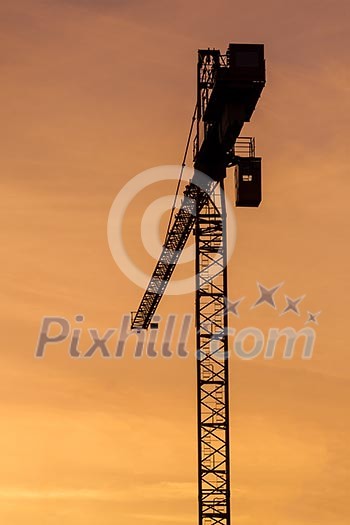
212, 362
228, 88
176, 239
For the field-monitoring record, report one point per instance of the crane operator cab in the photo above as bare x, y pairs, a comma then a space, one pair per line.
248, 181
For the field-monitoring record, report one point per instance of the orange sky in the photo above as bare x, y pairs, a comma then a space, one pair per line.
93, 92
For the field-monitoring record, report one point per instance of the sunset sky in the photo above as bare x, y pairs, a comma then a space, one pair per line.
93, 92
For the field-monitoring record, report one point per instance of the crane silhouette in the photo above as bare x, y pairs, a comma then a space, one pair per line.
228, 89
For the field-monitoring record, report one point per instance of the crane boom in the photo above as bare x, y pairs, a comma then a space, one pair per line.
195, 197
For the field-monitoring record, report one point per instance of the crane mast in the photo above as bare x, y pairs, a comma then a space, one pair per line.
228, 89
212, 362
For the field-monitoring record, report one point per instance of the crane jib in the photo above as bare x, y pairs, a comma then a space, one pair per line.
194, 199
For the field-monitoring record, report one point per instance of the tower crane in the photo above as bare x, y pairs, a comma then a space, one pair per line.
228, 89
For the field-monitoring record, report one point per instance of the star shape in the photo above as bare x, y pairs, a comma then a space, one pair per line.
232, 307
266, 295
312, 318
292, 305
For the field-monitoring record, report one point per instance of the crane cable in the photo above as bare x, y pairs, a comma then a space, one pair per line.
183, 165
